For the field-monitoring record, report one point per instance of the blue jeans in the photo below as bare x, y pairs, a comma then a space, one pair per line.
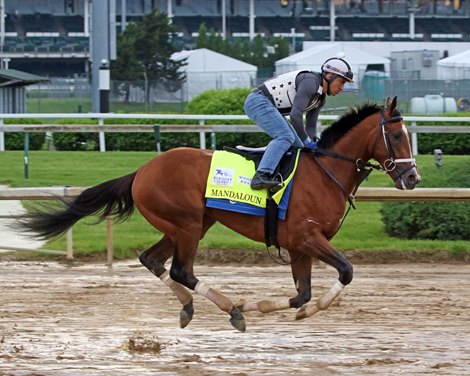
265, 115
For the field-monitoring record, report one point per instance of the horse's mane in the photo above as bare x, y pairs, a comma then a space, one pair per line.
344, 124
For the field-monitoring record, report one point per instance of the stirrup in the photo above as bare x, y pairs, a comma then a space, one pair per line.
278, 187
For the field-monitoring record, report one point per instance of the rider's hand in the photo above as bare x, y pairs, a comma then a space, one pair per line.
310, 144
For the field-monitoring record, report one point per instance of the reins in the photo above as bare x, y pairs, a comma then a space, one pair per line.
363, 170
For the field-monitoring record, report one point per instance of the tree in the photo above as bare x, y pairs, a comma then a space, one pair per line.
144, 51
201, 40
260, 51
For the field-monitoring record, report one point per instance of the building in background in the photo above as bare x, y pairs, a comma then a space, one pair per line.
52, 38
414, 64
13, 90
207, 70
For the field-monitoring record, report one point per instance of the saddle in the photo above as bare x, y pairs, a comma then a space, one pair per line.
284, 169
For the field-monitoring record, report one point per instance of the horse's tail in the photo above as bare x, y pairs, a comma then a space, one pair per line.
113, 198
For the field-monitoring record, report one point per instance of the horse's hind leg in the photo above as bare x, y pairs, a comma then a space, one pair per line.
182, 272
301, 266
154, 259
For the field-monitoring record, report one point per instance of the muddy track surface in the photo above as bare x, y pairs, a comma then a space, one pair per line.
86, 319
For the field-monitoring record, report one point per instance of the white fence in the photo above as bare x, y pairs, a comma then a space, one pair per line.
363, 194
202, 128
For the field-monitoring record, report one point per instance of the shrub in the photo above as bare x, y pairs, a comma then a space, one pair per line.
15, 140
76, 141
422, 220
436, 220
454, 143
219, 102
147, 141
72, 141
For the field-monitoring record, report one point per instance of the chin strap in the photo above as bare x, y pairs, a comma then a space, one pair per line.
329, 81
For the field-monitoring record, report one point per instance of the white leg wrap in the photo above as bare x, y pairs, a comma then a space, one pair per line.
324, 301
202, 289
214, 296
183, 295
250, 306
273, 305
165, 278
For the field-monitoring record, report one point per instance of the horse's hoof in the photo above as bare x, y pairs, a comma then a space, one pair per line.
237, 320
238, 324
186, 315
301, 313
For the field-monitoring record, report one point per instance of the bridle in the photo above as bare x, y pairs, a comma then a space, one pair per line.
390, 164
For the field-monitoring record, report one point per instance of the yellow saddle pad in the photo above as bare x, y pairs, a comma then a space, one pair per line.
230, 177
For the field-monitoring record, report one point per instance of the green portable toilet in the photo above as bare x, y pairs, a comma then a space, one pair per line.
373, 84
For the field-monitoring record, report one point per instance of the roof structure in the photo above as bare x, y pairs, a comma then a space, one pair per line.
454, 67
16, 78
205, 60
458, 60
313, 58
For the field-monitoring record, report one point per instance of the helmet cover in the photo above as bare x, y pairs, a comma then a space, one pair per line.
339, 66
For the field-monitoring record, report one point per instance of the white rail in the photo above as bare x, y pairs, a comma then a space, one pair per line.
202, 127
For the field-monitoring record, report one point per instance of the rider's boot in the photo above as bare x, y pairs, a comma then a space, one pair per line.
263, 179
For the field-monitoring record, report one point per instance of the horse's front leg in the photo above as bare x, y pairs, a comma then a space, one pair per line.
326, 253
301, 266
154, 259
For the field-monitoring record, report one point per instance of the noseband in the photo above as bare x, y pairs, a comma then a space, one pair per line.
390, 164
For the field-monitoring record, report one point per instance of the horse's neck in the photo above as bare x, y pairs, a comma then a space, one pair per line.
353, 145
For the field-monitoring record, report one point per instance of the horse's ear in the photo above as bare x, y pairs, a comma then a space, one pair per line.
391, 104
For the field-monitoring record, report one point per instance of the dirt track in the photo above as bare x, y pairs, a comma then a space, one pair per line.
57, 319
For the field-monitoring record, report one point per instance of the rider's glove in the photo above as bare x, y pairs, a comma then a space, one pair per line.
308, 143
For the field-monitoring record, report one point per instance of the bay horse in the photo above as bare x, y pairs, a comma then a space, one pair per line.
169, 192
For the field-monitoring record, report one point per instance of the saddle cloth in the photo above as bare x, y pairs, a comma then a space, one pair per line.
228, 185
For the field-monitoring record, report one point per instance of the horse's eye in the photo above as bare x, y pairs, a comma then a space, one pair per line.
396, 136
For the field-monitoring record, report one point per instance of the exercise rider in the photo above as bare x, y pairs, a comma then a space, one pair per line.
294, 94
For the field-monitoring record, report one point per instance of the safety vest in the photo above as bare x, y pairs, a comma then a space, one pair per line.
283, 90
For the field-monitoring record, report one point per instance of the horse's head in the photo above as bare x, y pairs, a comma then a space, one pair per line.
392, 148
